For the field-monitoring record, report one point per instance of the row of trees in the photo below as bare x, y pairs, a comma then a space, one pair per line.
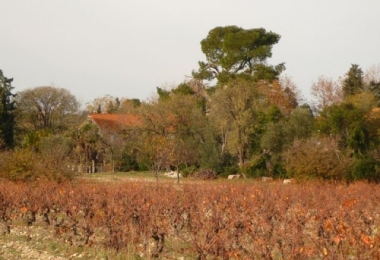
236, 114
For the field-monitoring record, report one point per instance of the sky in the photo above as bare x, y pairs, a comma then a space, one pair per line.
126, 48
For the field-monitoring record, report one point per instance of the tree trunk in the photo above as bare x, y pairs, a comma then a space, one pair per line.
178, 175
241, 162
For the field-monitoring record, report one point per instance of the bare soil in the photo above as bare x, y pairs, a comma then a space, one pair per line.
38, 243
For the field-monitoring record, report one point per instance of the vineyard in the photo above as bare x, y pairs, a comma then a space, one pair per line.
201, 221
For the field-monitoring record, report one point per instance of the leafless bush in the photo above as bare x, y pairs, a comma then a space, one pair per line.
205, 174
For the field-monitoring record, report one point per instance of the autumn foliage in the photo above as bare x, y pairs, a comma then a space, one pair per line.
317, 158
201, 221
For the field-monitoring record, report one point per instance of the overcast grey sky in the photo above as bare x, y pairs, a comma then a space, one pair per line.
127, 48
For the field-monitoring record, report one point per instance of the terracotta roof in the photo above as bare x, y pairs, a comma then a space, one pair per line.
115, 122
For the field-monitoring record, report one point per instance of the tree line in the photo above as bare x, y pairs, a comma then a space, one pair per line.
237, 114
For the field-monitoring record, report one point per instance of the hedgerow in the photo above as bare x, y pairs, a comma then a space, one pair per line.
26, 166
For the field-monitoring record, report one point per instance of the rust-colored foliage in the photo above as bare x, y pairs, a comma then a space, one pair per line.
203, 221
277, 95
115, 122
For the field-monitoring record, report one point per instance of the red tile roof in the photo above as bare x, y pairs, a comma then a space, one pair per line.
115, 122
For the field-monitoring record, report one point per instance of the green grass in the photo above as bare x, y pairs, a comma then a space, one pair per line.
133, 175
117, 176
149, 176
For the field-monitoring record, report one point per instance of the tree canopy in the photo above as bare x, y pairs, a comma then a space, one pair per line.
353, 83
232, 51
46, 107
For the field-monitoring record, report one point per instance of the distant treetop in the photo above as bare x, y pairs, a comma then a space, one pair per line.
232, 51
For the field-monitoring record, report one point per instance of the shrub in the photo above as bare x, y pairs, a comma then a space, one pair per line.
229, 170
316, 158
127, 163
263, 165
54, 168
188, 171
18, 165
279, 171
205, 174
365, 169
25, 165
257, 168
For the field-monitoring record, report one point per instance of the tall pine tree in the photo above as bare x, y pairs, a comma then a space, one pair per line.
7, 117
353, 83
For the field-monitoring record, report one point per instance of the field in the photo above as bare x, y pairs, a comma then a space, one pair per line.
118, 216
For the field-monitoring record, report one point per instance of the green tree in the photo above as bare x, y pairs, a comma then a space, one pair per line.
231, 51
7, 109
188, 106
273, 139
183, 89
190, 131
235, 111
300, 124
280, 134
162, 94
348, 122
353, 83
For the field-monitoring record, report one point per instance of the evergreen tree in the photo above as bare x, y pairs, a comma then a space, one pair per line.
353, 83
7, 107
162, 94
233, 52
